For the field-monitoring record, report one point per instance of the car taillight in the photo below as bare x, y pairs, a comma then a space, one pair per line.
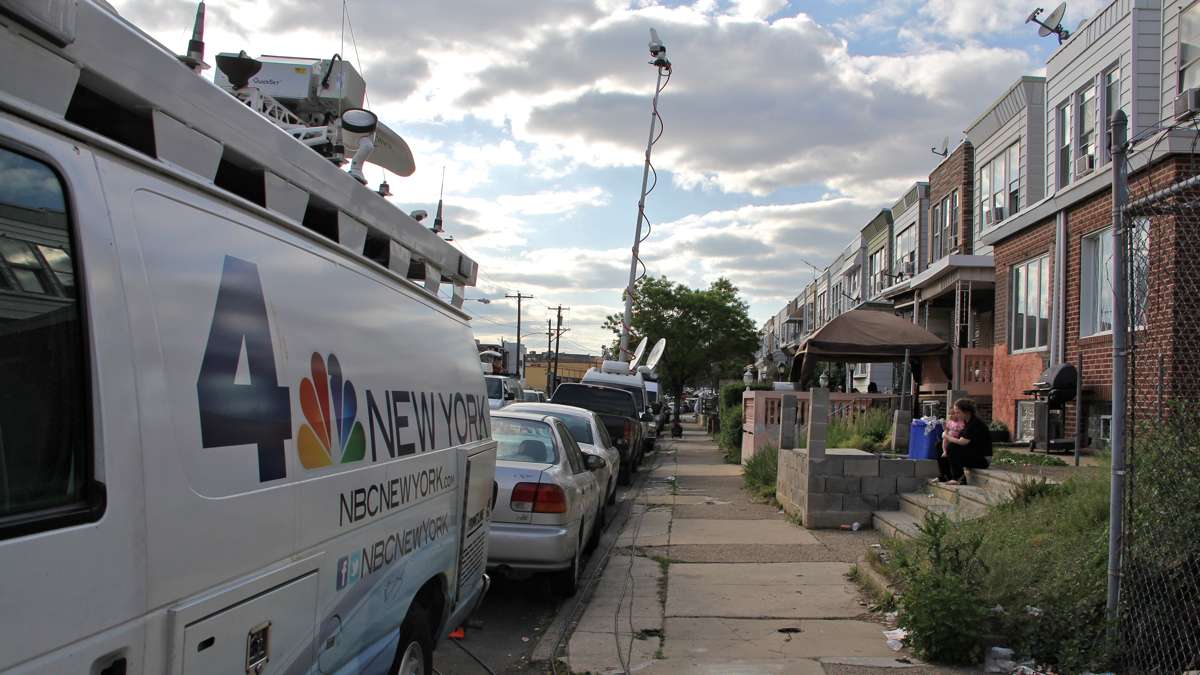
628, 429
538, 498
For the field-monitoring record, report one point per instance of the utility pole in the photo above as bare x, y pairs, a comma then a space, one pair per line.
549, 348
520, 358
558, 331
1120, 337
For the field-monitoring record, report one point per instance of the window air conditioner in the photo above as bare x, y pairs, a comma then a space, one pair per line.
1084, 164
909, 268
997, 214
1187, 104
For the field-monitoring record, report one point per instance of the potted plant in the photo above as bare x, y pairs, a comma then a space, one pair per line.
998, 431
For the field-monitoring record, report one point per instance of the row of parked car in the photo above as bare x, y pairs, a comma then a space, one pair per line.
558, 465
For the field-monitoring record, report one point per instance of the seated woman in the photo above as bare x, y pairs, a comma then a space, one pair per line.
970, 449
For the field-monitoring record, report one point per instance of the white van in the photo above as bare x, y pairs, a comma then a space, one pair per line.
238, 434
616, 374
502, 390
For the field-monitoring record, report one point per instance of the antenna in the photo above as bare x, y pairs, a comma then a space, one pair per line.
656, 353
945, 147
194, 58
437, 219
1052, 23
637, 354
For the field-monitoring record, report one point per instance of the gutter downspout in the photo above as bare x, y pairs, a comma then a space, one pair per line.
1058, 306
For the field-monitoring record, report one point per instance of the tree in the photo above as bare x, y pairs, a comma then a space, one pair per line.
709, 331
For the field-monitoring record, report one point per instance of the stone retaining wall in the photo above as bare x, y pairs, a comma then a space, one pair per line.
845, 486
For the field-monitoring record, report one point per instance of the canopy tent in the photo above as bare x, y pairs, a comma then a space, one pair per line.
868, 336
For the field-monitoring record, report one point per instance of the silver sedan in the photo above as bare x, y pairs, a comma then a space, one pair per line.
547, 498
588, 430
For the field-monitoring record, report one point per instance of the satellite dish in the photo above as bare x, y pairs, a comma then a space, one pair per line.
391, 152
637, 354
945, 147
1052, 23
656, 353
239, 69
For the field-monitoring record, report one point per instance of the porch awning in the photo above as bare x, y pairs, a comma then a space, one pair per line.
866, 336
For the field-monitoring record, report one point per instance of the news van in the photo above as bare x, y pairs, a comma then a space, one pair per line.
240, 431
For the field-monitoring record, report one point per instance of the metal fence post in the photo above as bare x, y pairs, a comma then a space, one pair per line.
1120, 287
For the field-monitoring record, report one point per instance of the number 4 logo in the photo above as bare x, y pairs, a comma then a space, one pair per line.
233, 412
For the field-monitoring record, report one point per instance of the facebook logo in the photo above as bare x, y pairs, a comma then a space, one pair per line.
343, 572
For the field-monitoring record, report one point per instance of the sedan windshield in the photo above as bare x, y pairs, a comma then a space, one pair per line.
519, 440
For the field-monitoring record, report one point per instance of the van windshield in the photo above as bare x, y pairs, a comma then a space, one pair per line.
604, 400
495, 387
520, 440
638, 392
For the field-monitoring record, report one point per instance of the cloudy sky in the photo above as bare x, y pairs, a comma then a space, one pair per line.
787, 125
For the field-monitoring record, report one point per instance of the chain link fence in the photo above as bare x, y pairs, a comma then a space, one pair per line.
1159, 611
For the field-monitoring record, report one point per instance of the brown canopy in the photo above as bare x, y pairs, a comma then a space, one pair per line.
866, 336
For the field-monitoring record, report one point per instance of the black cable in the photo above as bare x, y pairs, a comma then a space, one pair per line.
473, 657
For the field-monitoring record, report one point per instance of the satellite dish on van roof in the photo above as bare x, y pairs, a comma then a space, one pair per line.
656, 353
637, 355
391, 152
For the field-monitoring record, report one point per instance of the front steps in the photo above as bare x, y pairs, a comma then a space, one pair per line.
986, 488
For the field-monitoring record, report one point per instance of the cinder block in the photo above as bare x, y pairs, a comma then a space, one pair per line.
815, 483
843, 484
828, 466
896, 467
861, 466
889, 503
914, 484
835, 519
925, 468
879, 485
859, 503
824, 502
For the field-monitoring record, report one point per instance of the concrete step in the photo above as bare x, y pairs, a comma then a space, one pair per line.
968, 497
917, 504
999, 483
896, 524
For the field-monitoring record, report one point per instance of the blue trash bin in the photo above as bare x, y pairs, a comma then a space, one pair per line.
924, 442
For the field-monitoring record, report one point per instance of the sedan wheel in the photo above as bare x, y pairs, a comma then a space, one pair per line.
566, 582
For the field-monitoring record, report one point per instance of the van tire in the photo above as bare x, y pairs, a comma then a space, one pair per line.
416, 640
566, 582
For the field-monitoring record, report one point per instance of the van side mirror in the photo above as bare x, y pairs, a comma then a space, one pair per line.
594, 462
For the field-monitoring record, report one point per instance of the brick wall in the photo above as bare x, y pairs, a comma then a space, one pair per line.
956, 172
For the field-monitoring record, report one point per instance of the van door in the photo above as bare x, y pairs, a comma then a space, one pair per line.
72, 546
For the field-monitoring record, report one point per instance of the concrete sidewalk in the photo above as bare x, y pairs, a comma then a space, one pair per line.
705, 581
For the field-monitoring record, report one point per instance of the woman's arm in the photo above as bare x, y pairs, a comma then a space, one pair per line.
961, 440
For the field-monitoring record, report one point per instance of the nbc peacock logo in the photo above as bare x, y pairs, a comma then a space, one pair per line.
331, 433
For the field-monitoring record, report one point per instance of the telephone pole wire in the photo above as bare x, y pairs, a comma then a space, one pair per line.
520, 358
558, 331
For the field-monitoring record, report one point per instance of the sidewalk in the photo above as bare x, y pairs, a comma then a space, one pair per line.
704, 581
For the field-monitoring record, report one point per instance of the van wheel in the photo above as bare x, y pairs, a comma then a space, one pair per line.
414, 656
566, 582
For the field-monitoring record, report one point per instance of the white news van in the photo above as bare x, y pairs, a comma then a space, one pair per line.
239, 430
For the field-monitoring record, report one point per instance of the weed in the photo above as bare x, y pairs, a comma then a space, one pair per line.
761, 472
1010, 458
1030, 490
865, 430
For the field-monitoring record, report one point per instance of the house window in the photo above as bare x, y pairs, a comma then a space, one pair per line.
1086, 130
906, 251
952, 235
822, 308
1096, 291
1030, 304
935, 221
1012, 163
1189, 47
875, 271
985, 198
1063, 132
1112, 101
998, 198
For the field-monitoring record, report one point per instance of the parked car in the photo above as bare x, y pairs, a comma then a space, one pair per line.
621, 416
549, 504
502, 390
616, 374
533, 396
589, 432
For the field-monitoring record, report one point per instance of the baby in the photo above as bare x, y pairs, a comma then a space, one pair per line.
954, 428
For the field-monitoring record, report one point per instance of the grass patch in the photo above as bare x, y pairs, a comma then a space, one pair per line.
1040, 579
1010, 458
867, 430
761, 472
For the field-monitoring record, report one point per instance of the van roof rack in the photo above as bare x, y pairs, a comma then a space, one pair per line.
80, 62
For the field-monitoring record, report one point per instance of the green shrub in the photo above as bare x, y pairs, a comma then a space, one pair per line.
942, 608
865, 430
729, 438
761, 471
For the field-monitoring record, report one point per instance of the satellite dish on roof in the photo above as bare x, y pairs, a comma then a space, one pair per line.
1052, 23
945, 150
656, 353
238, 68
637, 354
391, 152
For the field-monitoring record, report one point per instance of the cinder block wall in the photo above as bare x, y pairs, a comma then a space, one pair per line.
845, 487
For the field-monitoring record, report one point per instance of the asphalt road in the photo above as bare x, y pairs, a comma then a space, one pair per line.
517, 612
